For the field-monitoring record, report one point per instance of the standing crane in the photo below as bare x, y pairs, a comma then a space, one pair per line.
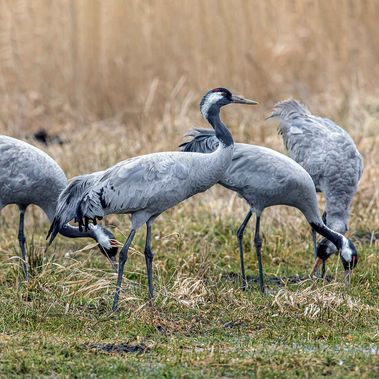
329, 155
264, 177
30, 176
147, 185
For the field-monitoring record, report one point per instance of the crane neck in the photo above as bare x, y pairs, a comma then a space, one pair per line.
222, 132
70, 231
331, 235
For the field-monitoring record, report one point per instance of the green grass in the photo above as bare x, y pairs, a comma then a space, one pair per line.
202, 324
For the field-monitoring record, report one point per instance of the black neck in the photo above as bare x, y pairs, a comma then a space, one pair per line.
222, 132
329, 234
73, 232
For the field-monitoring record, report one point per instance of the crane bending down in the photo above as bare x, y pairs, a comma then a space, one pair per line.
328, 154
264, 177
147, 185
30, 176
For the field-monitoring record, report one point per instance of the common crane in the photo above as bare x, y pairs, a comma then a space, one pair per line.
328, 154
147, 185
30, 176
264, 177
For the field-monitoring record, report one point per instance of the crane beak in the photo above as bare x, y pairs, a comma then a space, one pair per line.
318, 262
347, 277
242, 100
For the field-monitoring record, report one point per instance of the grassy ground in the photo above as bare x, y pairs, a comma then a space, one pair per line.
202, 324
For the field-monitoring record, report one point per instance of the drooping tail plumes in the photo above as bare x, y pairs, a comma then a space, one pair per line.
289, 109
68, 202
203, 141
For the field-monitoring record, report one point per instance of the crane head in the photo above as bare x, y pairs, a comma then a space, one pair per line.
216, 98
107, 242
348, 255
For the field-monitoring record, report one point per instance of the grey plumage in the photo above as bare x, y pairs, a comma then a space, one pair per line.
328, 154
264, 177
147, 185
66, 209
30, 176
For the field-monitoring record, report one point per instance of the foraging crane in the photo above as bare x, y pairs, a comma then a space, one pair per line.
264, 177
328, 154
147, 185
30, 176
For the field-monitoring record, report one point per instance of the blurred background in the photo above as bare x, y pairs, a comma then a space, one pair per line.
116, 78
123, 56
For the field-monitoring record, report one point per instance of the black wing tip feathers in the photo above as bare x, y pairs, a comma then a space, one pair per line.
53, 231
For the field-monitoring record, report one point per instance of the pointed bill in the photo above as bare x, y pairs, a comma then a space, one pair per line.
241, 100
347, 277
318, 263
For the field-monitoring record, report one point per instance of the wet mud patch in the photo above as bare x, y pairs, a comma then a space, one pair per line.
279, 281
117, 348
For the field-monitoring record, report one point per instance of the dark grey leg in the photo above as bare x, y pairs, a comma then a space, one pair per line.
21, 240
314, 239
324, 215
240, 232
258, 246
323, 269
122, 260
149, 256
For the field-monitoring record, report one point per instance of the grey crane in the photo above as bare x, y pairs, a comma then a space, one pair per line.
147, 185
329, 155
264, 177
30, 176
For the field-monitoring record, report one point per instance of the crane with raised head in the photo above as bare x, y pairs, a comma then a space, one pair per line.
147, 185
328, 153
264, 177
30, 176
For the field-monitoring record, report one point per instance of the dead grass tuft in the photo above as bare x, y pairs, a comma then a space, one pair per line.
314, 303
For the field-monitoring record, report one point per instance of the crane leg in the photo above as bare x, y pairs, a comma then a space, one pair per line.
240, 233
324, 215
258, 246
149, 256
21, 240
323, 267
122, 260
314, 239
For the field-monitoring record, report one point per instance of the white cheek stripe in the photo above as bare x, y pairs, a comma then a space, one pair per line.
346, 252
101, 237
211, 99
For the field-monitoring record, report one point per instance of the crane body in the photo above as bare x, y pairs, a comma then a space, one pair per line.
264, 178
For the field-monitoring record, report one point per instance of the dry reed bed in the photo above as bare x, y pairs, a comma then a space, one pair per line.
104, 57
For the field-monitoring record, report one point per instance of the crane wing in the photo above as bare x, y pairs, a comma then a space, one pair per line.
135, 184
